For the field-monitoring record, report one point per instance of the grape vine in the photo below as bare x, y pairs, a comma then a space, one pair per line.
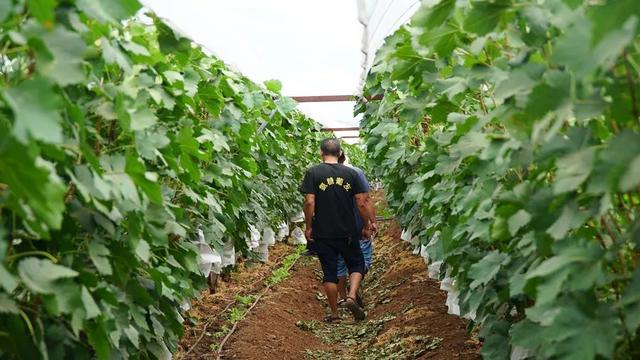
118, 139
508, 140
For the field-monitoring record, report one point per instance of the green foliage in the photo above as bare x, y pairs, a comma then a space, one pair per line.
508, 137
282, 273
118, 139
356, 156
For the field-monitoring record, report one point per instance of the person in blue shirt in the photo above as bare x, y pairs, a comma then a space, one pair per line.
365, 243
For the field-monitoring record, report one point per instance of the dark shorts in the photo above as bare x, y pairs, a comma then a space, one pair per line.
329, 250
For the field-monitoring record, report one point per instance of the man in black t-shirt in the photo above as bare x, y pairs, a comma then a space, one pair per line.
329, 190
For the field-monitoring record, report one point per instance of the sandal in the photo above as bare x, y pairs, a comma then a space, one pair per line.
356, 310
342, 302
359, 300
330, 319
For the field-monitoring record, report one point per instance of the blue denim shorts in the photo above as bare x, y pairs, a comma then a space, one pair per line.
366, 247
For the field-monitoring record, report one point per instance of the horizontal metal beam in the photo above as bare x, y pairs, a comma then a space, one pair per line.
355, 128
331, 98
350, 137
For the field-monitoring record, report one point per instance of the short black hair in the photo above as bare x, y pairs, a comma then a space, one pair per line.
330, 146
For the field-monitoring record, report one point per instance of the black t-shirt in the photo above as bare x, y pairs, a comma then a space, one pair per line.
334, 186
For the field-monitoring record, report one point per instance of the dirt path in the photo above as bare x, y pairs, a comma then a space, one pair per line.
406, 313
407, 317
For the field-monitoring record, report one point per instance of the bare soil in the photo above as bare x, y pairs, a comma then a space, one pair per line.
406, 314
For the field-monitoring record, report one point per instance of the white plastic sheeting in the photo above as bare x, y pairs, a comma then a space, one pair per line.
311, 46
379, 19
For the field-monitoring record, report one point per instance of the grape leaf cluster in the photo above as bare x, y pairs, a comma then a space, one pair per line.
508, 140
119, 139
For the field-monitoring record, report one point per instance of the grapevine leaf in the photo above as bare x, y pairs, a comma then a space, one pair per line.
6, 7
113, 55
273, 85
35, 106
142, 119
518, 220
149, 143
31, 180
43, 10
484, 16
631, 177
435, 16
611, 16
8, 306
143, 250
555, 263
66, 48
4, 242
486, 269
109, 10
90, 305
630, 303
146, 180
7, 280
573, 170
98, 254
574, 46
133, 335
571, 218
98, 339
40, 274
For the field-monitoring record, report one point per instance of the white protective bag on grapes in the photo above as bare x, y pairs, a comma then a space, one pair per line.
268, 237
520, 353
297, 237
448, 285
253, 238
228, 254
434, 269
298, 218
209, 260
424, 253
407, 235
263, 252
283, 231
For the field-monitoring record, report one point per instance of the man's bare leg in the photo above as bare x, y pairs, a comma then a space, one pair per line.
354, 283
331, 289
342, 286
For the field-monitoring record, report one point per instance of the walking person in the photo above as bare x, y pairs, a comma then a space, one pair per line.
330, 189
365, 241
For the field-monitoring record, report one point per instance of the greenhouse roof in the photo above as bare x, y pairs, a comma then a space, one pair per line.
313, 48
